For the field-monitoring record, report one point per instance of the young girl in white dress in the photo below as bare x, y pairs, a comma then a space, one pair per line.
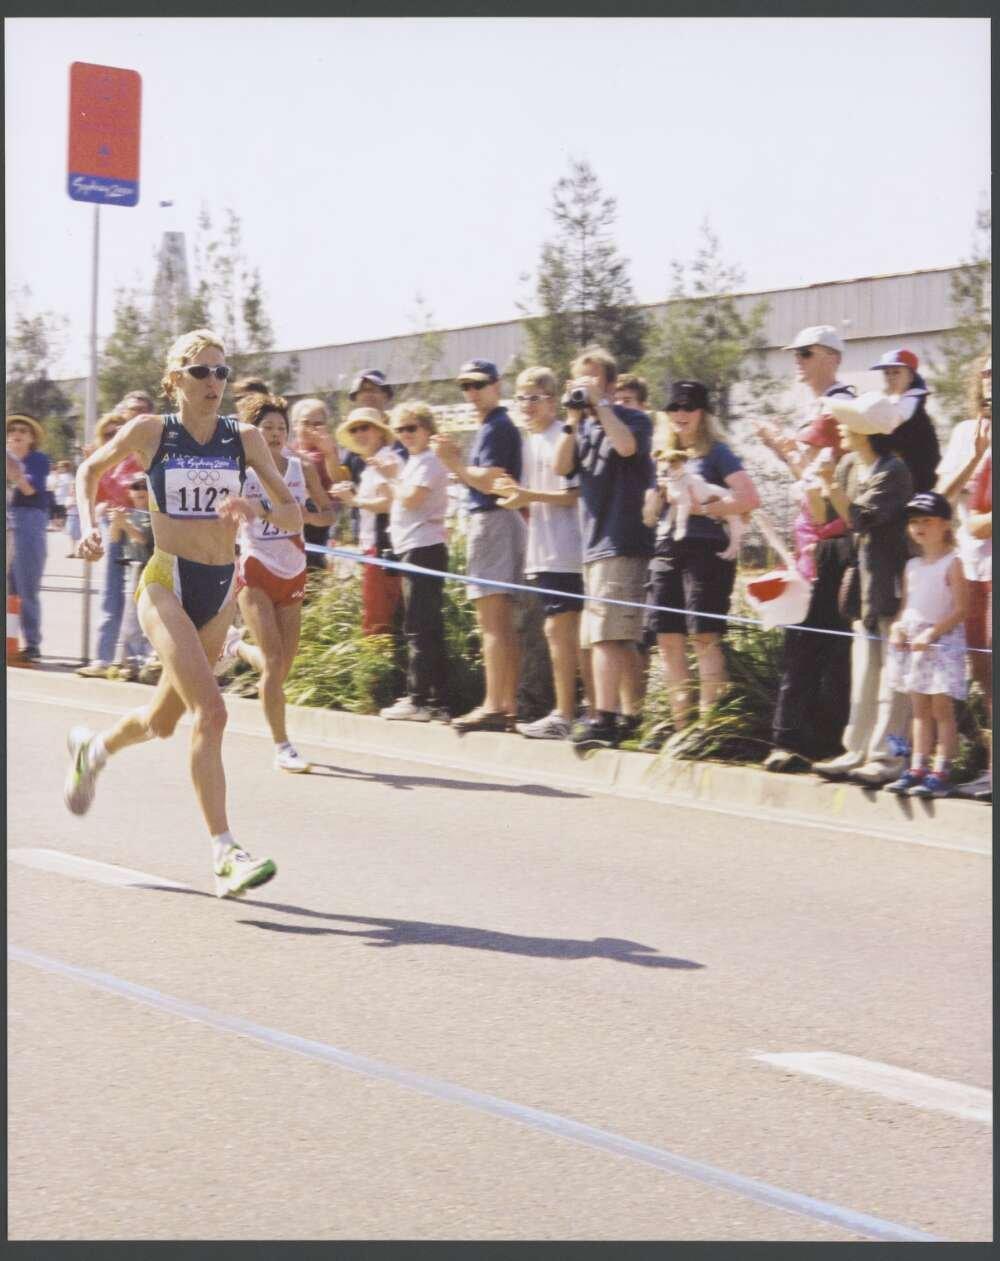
927, 646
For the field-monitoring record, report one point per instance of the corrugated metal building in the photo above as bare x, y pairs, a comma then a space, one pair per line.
873, 314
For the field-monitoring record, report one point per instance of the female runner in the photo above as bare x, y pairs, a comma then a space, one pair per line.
196, 463
272, 573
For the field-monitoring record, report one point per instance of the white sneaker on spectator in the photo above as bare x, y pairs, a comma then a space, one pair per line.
288, 758
227, 658
552, 727
874, 774
838, 767
979, 789
406, 709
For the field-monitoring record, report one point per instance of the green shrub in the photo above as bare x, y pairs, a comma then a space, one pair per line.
738, 726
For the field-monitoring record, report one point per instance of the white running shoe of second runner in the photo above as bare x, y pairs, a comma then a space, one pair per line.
81, 779
290, 759
227, 658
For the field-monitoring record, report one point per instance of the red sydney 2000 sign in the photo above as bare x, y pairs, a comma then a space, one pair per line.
104, 106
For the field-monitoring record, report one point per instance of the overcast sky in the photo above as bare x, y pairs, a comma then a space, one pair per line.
372, 159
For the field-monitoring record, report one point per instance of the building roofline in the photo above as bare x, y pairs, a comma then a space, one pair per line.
741, 293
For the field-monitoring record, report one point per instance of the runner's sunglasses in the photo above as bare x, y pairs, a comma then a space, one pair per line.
200, 371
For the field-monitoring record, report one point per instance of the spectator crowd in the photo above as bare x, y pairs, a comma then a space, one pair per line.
626, 523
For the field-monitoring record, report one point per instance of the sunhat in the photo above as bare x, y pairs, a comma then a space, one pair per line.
363, 416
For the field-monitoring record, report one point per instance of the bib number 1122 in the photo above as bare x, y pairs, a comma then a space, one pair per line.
203, 498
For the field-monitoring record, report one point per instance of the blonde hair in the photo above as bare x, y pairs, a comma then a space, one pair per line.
420, 412
184, 350
543, 378
709, 432
597, 354
304, 405
105, 422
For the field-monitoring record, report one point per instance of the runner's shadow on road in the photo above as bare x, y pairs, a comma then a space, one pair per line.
385, 933
388, 933
408, 782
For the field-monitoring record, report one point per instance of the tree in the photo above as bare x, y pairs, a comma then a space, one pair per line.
133, 354
227, 297
706, 335
33, 343
972, 331
428, 347
582, 287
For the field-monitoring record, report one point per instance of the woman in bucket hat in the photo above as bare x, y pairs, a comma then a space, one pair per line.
366, 433
870, 489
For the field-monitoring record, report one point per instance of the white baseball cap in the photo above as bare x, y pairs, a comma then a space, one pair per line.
817, 335
868, 413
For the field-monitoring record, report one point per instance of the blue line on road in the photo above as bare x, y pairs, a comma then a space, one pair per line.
548, 1122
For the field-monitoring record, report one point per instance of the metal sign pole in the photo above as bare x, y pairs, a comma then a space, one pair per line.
90, 420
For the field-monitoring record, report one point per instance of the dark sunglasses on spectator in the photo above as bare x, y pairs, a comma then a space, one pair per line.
361, 427
200, 371
531, 398
804, 352
473, 385
681, 409
407, 428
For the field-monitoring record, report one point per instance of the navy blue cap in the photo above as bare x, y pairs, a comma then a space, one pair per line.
929, 504
375, 377
687, 394
479, 370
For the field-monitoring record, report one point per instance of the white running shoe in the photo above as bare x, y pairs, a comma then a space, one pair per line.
406, 708
289, 759
552, 727
237, 872
227, 658
78, 790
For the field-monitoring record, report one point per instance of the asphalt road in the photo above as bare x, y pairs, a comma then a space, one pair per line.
611, 963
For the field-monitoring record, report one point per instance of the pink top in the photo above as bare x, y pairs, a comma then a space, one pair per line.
112, 489
807, 533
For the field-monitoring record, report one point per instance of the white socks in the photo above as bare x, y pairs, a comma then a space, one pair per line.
220, 844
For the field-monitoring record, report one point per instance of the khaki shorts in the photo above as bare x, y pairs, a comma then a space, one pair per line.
496, 545
615, 578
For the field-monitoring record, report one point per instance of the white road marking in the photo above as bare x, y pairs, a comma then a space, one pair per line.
934, 1094
756, 814
548, 1122
88, 869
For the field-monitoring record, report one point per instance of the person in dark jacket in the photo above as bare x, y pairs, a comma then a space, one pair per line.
915, 440
870, 489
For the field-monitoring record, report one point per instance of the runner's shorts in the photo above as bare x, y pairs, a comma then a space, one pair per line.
282, 592
203, 590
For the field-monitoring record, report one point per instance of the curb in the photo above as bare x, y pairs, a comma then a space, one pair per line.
728, 790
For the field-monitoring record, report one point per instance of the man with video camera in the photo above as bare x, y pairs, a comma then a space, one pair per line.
608, 447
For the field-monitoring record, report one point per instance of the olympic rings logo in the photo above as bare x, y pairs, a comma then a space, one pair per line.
204, 476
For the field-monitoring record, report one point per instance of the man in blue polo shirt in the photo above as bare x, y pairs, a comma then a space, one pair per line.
496, 542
